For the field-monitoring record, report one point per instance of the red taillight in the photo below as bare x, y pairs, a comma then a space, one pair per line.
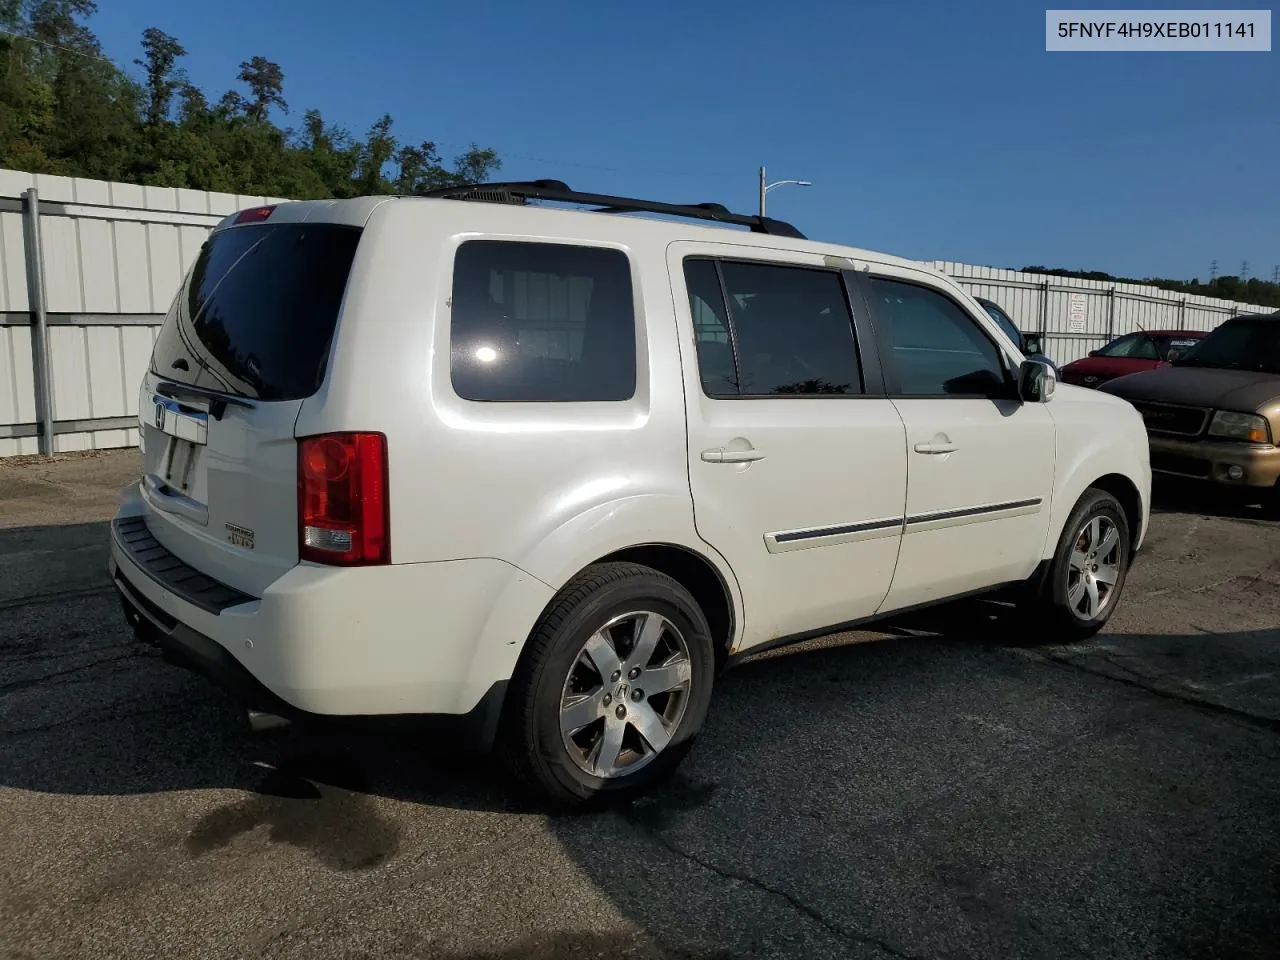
254, 214
342, 499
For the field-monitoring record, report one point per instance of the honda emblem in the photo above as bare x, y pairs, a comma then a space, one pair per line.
160, 407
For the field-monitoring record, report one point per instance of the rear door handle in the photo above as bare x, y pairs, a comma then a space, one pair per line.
935, 448
721, 455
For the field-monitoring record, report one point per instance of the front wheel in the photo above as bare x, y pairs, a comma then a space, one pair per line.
1082, 585
612, 688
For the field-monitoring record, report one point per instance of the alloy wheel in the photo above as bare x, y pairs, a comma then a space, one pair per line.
1093, 569
625, 694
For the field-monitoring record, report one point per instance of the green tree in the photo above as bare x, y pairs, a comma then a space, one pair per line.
379, 148
26, 96
95, 106
160, 53
332, 154
476, 165
66, 109
265, 81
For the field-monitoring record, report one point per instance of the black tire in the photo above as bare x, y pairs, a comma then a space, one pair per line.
1047, 614
530, 739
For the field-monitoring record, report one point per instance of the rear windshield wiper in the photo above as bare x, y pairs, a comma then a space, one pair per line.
218, 400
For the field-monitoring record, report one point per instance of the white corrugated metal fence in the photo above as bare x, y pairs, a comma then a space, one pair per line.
113, 256
114, 253
1076, 316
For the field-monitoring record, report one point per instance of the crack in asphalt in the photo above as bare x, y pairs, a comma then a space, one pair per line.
849, 936
17, 655
112, 715
14, 686
55, 595
1256, 720
1203, 588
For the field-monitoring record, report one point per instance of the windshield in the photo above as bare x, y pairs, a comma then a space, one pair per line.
1239, 344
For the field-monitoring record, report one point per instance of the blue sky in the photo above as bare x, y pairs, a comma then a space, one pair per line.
930, 130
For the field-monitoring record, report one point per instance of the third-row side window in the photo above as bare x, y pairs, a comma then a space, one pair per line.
771, 330
542, 322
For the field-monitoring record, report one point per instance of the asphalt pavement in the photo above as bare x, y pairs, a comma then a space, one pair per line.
940, 792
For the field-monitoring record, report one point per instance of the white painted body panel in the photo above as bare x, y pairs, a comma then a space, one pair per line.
238, 520
495, 506
829, 463
407, 638
1098, 435
1004, 456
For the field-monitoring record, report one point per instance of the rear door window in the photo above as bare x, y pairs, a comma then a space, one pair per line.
1175, 346
257, 313
542, 322
716, 366
775, 331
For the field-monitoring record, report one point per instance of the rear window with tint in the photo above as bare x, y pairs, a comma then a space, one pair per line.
257, 313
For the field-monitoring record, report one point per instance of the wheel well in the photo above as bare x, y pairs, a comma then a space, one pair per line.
1123, 489
696, 574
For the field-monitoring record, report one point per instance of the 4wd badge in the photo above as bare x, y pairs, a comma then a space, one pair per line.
239, 536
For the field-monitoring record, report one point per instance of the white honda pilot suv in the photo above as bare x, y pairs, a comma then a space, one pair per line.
541, 473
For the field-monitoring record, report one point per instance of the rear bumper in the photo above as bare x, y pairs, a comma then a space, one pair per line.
1213, 462
407, 639
194, 651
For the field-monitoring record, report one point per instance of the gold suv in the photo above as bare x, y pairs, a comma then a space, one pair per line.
1214, 414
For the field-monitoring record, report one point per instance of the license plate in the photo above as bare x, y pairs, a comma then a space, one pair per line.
179, 459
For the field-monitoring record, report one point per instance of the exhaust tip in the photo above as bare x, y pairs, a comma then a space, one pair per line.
263, 722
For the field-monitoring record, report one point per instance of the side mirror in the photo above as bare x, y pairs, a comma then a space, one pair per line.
1031, 344
1093, 353
1036, 381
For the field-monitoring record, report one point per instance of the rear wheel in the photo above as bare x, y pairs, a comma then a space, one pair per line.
612, 688
1082, 585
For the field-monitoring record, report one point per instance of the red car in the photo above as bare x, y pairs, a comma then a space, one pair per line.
1132, 353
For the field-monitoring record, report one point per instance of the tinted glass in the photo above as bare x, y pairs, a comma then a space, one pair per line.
1144, 348
999, 316
794, 331
542, 322
711, 329
1172, 346
935, 348
257, 312
1239, 344
1116, 348
1135, 346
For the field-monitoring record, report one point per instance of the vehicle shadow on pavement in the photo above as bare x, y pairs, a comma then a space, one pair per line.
1171, 496
940, 791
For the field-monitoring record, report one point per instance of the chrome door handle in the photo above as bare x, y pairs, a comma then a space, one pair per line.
721, 455
935, 448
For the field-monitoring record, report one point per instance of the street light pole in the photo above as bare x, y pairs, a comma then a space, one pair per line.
765, 187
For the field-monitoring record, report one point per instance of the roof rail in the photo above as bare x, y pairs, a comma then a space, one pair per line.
522, 191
